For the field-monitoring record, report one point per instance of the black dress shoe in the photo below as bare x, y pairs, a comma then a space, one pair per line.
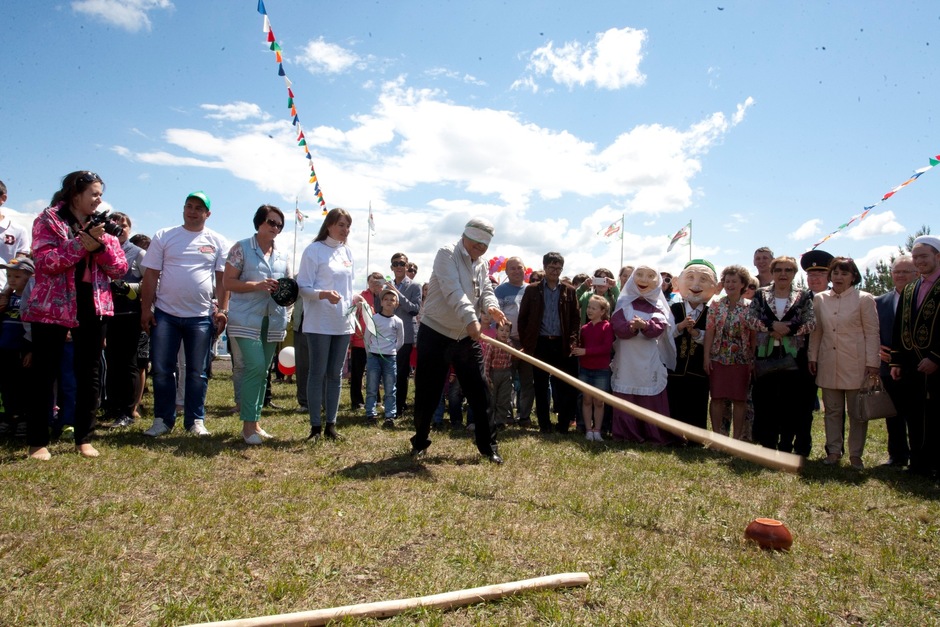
495, 458
314, 433
418, 453
330, 431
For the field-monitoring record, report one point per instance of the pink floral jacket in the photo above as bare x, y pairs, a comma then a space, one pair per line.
55, 254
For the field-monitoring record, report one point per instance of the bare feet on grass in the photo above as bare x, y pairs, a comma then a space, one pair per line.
87, 450
41, 453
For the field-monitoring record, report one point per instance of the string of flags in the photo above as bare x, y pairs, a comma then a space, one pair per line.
685, 231
934, 161
301, 138
614, 229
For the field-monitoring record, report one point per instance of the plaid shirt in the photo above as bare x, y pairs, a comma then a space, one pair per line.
496, 359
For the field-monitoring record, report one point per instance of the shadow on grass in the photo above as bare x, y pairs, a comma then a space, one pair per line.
403, 465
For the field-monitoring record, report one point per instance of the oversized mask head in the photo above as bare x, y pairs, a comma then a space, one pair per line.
646, 279
698, 282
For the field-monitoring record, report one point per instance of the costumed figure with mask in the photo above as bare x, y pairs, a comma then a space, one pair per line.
688, 384
644, 349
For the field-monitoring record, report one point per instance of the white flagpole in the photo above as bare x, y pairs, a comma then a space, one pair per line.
294, 253
368, 241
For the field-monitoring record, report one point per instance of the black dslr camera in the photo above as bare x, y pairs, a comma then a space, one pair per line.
102, 217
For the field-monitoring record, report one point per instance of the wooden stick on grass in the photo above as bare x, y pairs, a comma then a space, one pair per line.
384, 609
777, 460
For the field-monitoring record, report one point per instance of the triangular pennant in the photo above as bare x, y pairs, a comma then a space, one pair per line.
308, 155
280, 69
290, 92
271, 38
275, 46
296, 121
290, 103
293, 110
935, 160
287, 82
267, 25
277, 56
301, 136
261, 7
303, 142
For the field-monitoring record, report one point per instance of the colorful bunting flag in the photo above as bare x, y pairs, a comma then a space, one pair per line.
934, 161
683, 232
371, 219
295, 117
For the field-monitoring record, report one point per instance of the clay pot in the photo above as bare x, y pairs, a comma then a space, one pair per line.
769, 534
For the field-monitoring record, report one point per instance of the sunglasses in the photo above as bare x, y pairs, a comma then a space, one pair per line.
88, 178
399, 264
274, 224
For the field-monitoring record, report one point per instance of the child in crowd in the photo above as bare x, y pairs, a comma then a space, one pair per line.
597, 341
497, 367
14, 348
383, 339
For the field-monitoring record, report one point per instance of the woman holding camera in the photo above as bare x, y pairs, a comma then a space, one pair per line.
75, 262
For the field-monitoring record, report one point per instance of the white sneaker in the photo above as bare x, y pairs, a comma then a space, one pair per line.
589, 436
598, 437
254, 438
264, 434
199, 428
157, 429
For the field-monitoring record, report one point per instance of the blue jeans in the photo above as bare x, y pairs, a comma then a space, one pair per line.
327, 354
195, 334
383, 366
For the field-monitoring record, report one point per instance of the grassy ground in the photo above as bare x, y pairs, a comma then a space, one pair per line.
180, 529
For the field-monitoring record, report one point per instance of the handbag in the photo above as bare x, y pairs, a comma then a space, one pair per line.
777, 359
873, 402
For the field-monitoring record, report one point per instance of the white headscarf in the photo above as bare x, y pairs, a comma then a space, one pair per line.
655, 297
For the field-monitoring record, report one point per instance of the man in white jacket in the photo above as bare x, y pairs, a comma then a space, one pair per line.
450, 327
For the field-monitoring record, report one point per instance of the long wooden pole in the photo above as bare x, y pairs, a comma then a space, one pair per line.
777, 460
384, 609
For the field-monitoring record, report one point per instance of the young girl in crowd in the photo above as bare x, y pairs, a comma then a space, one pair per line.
597, 341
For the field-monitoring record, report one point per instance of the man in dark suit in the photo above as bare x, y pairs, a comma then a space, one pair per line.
915, 356
902, 273
549, 324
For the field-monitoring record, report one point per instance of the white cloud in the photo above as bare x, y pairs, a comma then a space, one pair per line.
873, 256
457, 161
322, 57
235, 112
527, 82
806, 230
469, 79
874, 225
611, 61
131, 15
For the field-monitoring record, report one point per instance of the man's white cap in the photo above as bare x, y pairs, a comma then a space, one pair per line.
479, 230
930, 240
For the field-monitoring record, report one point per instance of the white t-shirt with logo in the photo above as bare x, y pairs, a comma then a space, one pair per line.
187, 262
14, 240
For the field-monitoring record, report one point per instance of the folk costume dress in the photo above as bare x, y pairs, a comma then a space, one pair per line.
641, 360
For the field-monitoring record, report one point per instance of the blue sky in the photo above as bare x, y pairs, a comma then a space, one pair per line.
762, 123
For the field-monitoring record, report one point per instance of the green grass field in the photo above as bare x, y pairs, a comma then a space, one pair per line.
179, 529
